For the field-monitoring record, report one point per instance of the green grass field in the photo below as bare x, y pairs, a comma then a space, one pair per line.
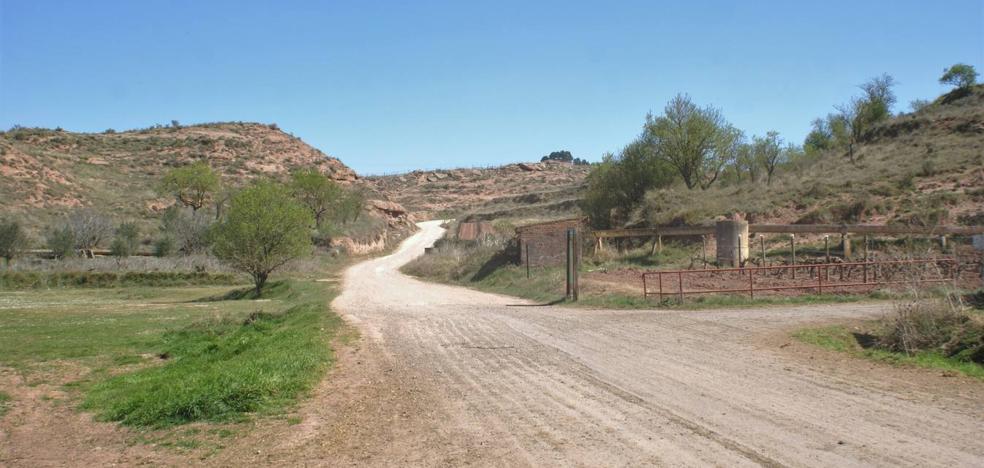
157, 357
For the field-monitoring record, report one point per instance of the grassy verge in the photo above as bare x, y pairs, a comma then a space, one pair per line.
19, 280
4, 403
841, 339
224, 369
159, 357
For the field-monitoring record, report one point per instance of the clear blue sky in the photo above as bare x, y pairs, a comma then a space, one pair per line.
392, 86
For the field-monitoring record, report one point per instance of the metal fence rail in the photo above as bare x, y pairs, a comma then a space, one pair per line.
873, 273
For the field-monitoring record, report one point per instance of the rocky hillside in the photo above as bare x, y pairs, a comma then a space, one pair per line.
525, 190
45, 172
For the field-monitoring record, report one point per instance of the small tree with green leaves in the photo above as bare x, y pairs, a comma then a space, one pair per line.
193, 185
350, 206
697, 141
315, 191
768, 153
960, 75
263, 229
13, 240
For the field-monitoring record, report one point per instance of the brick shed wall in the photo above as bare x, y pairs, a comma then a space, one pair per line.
547, 242
473, 231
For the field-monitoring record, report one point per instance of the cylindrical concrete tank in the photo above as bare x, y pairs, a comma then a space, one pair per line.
732, 242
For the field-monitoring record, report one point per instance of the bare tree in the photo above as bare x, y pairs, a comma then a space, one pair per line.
187, 228
89, 229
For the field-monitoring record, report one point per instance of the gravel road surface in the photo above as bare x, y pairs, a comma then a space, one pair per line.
450, 376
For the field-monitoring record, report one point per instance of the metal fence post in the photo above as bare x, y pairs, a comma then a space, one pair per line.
527, 260
738, 262
680, 281
572, 259
762, 242
751, 285
703, 247
792, 257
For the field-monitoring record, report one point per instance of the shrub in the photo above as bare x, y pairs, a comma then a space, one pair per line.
126, 241
928, 168
908, 182
163, 247
938, 325
12, 240
61, 242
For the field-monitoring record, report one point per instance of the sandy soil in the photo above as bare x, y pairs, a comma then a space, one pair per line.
448, 376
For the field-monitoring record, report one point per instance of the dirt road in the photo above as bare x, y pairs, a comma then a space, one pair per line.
450, 376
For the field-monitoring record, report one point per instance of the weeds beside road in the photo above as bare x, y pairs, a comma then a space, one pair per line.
936, 333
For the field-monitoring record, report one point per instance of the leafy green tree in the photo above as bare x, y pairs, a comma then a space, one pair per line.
862, 113
317, 192
848, 126
618, 184
126, 241
820, 138
13, 240
960, 75
193, 185
263, 229
697, 141
745, 163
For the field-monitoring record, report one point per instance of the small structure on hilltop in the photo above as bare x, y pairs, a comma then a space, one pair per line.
545, 244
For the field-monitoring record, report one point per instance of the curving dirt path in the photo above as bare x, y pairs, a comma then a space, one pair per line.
451, 376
